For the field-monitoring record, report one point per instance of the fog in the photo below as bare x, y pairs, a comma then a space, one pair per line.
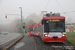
12, 27
35, 6
64, 7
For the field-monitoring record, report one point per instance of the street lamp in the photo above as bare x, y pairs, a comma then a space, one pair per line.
21, 22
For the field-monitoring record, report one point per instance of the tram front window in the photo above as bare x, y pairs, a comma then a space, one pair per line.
54, 26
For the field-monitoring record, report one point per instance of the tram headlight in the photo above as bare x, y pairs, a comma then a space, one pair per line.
64, 35
45, 35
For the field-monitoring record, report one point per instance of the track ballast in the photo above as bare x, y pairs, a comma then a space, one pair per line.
40, 45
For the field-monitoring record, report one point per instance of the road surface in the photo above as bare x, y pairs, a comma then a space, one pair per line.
27, 43
6, 38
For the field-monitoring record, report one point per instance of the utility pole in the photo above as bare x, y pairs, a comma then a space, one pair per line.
21, 22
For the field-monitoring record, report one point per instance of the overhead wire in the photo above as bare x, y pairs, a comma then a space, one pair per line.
63, 10
60, 5
57, 2
47, 4
69, 12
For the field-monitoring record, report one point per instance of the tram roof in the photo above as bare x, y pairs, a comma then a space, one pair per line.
30, 25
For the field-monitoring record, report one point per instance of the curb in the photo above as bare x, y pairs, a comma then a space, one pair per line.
10, 43
35, 44
69, 42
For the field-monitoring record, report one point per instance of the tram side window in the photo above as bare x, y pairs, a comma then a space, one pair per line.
30, 29
37, 28
34, 29
40, 28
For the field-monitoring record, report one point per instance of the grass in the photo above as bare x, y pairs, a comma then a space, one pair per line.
70, 33
71, 37
72, 40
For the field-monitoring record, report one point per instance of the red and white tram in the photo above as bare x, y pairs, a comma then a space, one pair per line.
51, 28
30, 29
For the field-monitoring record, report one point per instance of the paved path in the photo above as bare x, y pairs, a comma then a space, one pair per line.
27, 43
6, 38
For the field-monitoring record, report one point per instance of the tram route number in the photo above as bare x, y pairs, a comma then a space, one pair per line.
64, 47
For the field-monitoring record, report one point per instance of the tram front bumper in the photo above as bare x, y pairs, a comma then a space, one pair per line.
51, 39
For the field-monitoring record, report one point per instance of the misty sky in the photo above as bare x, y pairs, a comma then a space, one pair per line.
36, 6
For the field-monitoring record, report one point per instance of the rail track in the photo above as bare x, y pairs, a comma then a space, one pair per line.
40, 45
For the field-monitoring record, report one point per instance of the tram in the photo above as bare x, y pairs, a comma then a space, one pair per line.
51, 28
30, 29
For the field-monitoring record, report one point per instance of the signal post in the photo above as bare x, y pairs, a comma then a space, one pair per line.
24, 28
